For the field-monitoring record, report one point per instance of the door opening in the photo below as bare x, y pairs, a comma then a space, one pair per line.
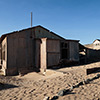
64, 50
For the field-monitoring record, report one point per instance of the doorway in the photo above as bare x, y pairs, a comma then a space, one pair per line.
64, 50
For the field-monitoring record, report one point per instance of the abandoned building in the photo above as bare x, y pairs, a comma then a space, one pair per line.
95, 45
35, 48
90, 52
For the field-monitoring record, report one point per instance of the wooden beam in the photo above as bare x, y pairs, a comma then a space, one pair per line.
92, 70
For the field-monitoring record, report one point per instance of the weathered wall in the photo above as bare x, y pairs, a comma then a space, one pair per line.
53, 52
25, 50
41, 33
50, 53
93, 55
4, 62
74, 51
37, 50
20, 51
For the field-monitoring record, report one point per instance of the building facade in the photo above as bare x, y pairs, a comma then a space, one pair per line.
96, 44
35, 48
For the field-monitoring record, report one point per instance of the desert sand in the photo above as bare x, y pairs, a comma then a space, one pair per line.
36, 86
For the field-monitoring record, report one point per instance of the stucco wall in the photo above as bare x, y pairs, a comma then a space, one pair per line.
96, 45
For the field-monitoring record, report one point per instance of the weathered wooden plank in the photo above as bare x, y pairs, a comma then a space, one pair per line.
92, 70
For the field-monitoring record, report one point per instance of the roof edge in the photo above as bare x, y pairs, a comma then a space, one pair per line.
4, 35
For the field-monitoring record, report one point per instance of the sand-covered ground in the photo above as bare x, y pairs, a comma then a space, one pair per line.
35, 86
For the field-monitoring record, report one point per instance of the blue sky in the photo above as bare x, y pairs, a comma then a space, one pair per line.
72, 19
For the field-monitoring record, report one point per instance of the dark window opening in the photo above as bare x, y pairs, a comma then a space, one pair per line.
64, 50
66, 45
64, 53
62, 45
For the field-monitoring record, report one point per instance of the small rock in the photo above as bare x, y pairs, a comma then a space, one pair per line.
46, 98
98, 75
45, 94
54, 98
72, 87
61, 92
86, 81
44, 81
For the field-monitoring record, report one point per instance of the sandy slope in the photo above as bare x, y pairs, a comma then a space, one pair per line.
35, 86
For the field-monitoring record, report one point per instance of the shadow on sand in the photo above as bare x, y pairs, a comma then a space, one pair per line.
73, 64
7, 86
